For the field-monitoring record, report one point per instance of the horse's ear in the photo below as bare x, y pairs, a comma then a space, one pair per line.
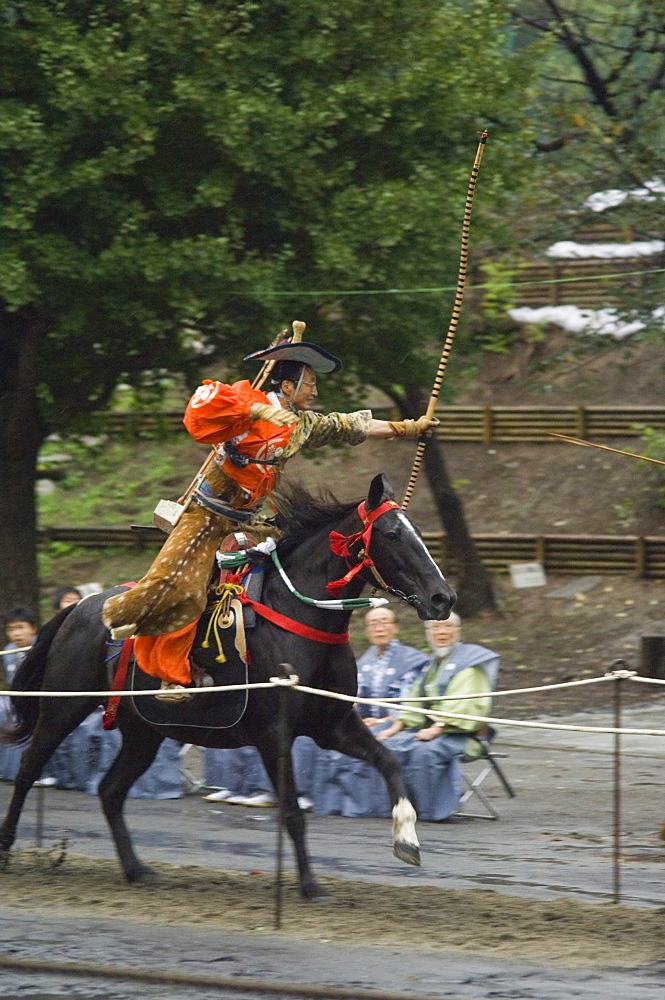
379, 491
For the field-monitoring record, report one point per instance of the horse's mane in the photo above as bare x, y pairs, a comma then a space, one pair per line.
301, 514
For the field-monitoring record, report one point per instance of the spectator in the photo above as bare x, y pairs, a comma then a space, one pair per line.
20, 626
456, 669
65, 596
20, 629
387, 669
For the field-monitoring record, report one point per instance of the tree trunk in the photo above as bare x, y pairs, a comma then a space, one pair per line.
476, 592
21, 433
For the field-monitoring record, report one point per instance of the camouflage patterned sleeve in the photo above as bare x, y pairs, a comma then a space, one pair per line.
315, 430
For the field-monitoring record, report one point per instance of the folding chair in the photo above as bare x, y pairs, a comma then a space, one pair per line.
488, 759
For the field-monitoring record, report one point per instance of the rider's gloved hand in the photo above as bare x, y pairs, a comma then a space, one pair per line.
273, 414
413, 428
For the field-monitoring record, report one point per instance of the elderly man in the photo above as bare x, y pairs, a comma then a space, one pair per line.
456, 670
387, 669
253, 433
429, 753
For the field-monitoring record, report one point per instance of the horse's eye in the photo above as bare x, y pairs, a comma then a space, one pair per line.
392, 535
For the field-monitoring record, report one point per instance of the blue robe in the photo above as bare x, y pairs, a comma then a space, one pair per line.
84, 756
402, 666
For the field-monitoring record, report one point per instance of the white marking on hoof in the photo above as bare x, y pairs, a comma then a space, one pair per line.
404, 824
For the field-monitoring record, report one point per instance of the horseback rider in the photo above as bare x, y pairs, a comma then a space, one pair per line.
253, 434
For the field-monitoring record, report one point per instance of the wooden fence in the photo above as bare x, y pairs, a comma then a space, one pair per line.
486, 424
638, 555
604, 554
505, 424
549, 289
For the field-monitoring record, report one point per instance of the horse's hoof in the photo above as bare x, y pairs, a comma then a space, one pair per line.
315, 893
407, 853
4, 859
142, 874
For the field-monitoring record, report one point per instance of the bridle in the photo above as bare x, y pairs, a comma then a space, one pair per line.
343, 545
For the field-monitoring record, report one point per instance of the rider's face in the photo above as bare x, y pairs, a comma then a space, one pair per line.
307, 392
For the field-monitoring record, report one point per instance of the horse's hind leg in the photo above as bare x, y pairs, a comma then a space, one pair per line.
50, 731
139, 748
294, 818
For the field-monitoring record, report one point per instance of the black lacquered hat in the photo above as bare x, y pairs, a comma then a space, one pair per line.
316, 357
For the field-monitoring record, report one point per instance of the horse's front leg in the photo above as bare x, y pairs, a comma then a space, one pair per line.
352, 737
294, 818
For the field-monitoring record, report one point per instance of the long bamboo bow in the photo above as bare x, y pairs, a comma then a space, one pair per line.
452, 328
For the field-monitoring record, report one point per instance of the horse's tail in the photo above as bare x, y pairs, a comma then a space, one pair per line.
29, 677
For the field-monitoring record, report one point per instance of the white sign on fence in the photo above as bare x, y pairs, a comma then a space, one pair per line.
527, 575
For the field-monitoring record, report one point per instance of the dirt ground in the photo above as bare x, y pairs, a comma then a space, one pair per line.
577, 933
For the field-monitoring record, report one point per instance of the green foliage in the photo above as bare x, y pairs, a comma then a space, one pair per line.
625, 512
497, 278
652, 444
598, 114
166, 164
112, 482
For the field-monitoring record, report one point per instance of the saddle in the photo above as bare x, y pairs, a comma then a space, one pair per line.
219, 650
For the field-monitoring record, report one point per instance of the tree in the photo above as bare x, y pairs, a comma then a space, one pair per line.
174, 163
598, 109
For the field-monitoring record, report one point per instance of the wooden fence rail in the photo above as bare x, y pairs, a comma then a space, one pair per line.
635, 554
487, 424
505, 424
642, 556
548, 288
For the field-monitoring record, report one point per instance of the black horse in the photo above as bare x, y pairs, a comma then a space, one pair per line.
70, 654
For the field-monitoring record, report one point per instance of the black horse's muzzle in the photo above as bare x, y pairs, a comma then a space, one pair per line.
442, 605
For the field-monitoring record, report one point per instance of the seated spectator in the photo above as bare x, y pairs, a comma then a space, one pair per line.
456, 670
65, 596
387, 669
429, 753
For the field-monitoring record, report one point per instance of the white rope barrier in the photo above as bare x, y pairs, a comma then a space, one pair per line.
10, 652
131, 694
647, 680
379, 702
392, 703
498, 694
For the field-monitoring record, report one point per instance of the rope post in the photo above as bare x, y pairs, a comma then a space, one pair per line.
284, 671
617, 666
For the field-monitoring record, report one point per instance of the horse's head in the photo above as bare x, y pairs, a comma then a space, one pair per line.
395, 557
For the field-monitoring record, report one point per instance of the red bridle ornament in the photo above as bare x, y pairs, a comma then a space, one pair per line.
342, 545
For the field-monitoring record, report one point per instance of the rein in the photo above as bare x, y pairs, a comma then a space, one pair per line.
341, 545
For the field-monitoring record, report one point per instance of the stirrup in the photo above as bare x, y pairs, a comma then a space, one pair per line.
172, 692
